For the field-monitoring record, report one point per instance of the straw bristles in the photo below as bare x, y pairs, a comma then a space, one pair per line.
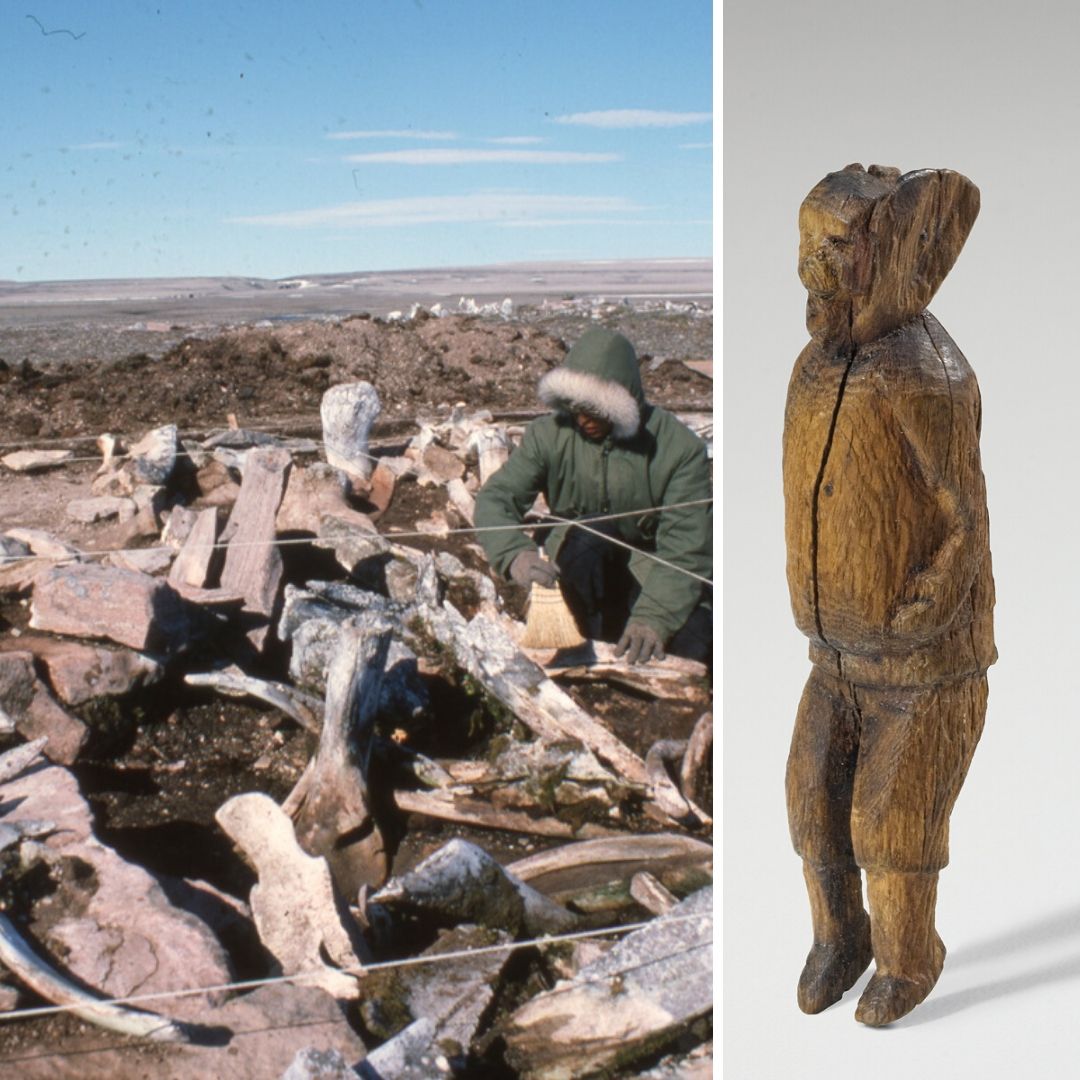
549, 624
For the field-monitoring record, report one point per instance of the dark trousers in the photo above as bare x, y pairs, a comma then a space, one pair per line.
600, 591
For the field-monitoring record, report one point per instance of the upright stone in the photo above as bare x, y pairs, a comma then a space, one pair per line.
348, 412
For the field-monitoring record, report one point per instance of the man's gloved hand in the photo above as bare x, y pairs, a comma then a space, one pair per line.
640, 643
531, 566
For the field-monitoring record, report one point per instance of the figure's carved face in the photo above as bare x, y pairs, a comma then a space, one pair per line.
826, 253
833, 260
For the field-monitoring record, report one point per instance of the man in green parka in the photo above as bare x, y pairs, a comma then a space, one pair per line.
604, 452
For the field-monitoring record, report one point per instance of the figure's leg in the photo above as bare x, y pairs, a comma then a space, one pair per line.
820, 771
915, 752
908, 952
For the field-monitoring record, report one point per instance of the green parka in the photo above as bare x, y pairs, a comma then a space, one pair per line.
649, 460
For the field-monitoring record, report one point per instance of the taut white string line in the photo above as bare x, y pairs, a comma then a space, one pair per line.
412, 535
315, 974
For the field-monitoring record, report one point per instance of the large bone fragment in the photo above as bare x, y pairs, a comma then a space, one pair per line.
348, 410
333, 818
303, 708
589, 864
51, 985
696, 769
641, 994
253, 565
448, 806
293, 904
490, 655
492, 447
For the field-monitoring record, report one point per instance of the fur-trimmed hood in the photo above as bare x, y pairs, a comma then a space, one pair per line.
600, 376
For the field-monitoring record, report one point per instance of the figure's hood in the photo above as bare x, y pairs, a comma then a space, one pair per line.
915, 229
600, 376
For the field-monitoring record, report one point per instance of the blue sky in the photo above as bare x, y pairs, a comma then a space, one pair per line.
271, 139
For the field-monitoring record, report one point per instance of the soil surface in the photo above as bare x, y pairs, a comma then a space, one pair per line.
158, 767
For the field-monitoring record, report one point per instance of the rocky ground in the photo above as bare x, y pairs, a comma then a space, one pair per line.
158, 765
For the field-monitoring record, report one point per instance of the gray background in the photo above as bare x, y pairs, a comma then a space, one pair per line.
992, 91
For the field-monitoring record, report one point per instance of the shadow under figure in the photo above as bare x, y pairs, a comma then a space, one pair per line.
888, 566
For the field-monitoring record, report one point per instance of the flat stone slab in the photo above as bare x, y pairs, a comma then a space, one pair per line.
28, 461
86, 600
111, 927
79, 672
101, 508
28, 707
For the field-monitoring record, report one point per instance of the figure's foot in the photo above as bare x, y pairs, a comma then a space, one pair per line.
889, 997
832, 969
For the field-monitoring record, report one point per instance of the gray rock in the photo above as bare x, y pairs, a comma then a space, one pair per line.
311, 1064
101, 508
462, 883
28, 461
410, 1055
153, 457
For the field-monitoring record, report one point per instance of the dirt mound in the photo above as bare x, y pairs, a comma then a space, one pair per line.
279, 374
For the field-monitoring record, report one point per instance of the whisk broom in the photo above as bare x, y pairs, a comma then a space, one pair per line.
549, 624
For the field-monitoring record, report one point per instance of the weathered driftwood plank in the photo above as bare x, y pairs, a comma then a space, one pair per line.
133, 609
333, 818
664, 757
696, 769
449, 807
641, 994
489, 654
253, 565
651, 894
293, 904
194, 563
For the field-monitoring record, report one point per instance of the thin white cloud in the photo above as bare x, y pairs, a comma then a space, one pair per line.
634, 118
516, 140
400, 133
107, 145
695, 146
505, 209
475, 157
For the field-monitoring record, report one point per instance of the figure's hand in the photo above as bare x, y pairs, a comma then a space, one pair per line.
640, 643
919, 611
530, 566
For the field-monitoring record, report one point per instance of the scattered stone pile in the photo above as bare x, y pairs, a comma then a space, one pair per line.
203, 591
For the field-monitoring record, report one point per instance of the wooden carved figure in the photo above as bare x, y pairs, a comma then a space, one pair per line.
888, 566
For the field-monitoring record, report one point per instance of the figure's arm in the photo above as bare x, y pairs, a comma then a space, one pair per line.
506, 498
683, 539
932, 596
